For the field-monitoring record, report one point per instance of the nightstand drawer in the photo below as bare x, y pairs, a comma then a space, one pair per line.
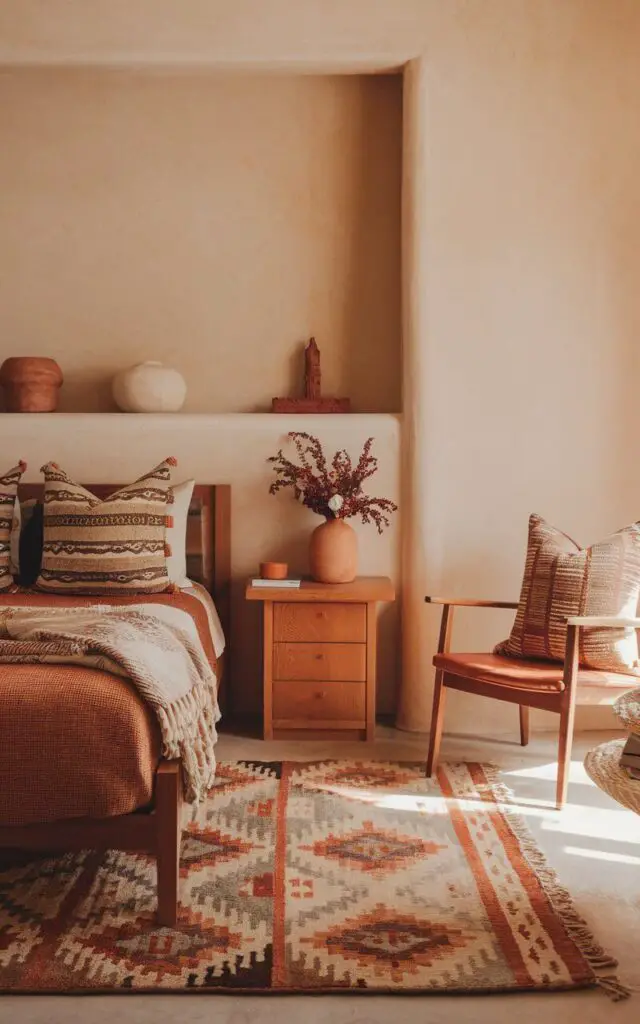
336, 623
333, 662
304, 702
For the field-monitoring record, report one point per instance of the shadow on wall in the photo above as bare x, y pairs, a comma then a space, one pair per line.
218, 259
375, 233
623, 275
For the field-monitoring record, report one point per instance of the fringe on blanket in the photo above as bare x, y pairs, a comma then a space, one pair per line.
188, 729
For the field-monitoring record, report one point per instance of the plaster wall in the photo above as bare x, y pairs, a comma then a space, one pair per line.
520, 275
210, 221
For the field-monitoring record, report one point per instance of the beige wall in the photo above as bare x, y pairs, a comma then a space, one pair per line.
528, 373
525, 362
213, 222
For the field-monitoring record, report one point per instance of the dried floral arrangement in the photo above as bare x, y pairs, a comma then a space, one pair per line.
331, 490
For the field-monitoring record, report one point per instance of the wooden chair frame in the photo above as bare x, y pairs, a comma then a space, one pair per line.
155, 830
561, 702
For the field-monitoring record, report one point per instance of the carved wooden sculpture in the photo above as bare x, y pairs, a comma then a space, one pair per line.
313, 400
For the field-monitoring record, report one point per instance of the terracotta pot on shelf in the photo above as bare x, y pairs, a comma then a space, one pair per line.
30, 383
273, 570
333, 552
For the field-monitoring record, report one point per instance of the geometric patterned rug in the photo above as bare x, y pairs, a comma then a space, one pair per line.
306, 877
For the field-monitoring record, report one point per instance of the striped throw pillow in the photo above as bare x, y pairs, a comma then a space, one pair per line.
93, 546
562, 579
8, 491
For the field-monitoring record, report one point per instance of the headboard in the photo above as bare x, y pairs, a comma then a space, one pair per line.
208, 537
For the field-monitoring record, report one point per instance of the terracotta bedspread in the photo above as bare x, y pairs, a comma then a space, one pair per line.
90, 741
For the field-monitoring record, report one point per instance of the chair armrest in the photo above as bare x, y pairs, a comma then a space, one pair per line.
469, 602
574, 624
613, 621
448, 608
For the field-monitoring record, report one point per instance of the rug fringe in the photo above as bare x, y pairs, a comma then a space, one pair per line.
601, 963
614, 989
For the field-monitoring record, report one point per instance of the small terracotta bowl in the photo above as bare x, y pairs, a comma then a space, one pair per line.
273, 570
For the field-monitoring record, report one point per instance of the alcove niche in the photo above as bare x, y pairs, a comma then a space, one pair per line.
213, 221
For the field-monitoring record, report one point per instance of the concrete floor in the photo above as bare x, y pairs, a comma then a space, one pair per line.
594, 845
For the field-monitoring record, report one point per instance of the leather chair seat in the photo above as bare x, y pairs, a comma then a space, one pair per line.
524, 674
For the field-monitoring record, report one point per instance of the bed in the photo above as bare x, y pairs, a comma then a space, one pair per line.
70, 781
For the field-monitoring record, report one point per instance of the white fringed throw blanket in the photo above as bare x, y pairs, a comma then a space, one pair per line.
165, 662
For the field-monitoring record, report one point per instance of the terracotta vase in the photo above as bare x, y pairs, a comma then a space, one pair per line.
30, 383
333, 552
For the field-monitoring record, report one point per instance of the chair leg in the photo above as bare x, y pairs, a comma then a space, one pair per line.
437, 721
565, 744
524, 724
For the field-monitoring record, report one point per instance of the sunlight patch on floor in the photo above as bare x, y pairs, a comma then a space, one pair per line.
613, 858
548, 772
612, 823
395, 801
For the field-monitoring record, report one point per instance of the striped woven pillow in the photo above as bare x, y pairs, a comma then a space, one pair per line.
562, 579
8, 491
101, 547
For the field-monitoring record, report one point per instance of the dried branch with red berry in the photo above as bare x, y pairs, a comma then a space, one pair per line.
333, 490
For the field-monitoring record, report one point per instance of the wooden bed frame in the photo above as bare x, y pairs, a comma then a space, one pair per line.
157, 830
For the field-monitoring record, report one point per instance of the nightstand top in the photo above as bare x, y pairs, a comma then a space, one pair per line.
363, 589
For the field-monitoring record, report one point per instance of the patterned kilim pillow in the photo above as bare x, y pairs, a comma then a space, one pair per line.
8, 491
561, 579
98, 547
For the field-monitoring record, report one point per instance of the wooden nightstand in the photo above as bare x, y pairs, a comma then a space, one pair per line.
319, 657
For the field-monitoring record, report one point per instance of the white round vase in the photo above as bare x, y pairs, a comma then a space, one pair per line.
149, 387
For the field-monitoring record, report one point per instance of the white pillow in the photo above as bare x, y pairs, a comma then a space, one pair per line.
177, 534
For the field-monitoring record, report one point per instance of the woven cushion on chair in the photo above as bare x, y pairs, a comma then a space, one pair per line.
521, 674
562, 579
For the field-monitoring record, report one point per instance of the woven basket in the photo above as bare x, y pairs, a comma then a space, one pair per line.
603, 767
627, 708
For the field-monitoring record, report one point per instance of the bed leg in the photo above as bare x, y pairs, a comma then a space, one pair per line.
168, 837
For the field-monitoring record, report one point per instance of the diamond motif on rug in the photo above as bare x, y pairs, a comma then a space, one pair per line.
375, 850
210, 848
358, 774
390, 943
319, 876
136, 949
233, 776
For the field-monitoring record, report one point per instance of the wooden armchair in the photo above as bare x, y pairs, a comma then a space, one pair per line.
530, 684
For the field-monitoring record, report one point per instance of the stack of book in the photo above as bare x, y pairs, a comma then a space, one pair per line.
630, 757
